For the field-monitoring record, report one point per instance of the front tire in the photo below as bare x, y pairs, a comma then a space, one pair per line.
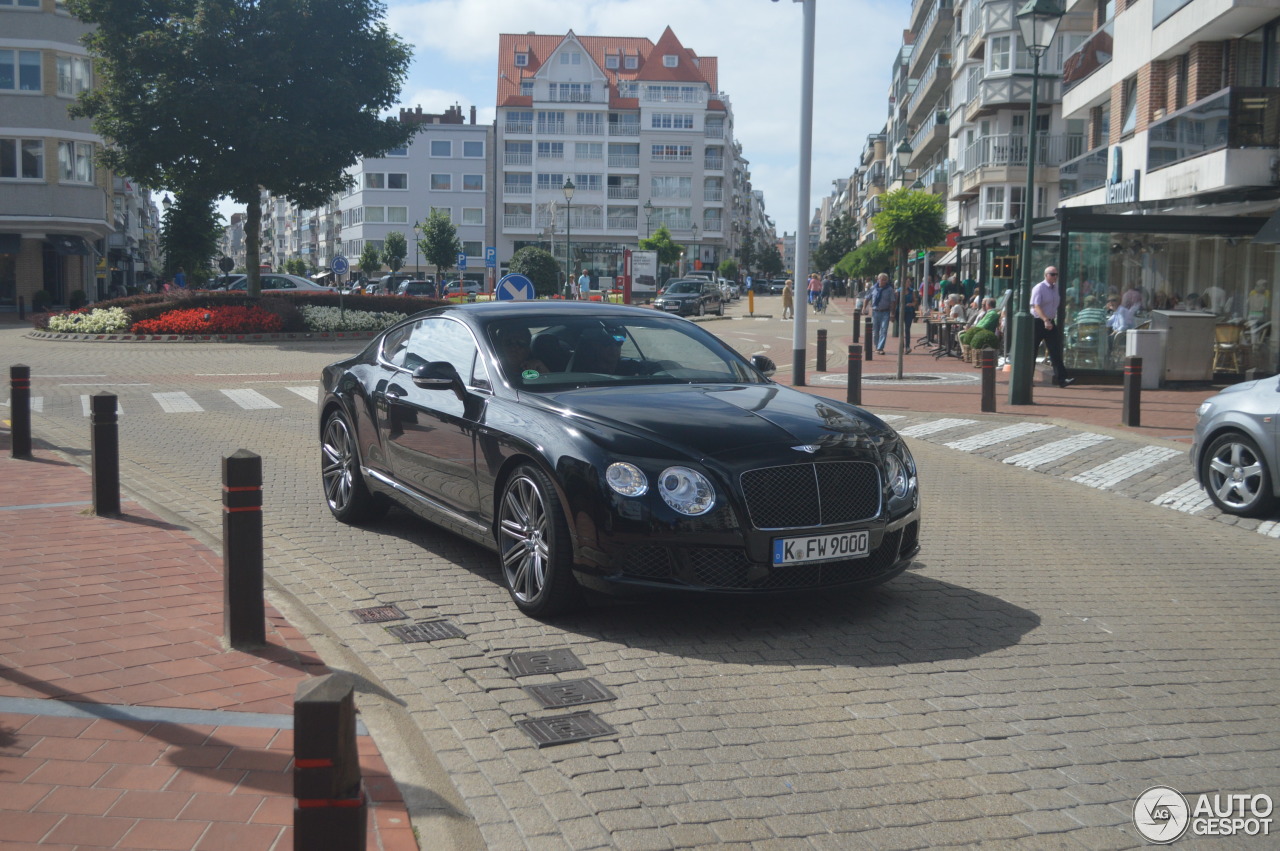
697, 311
1234, 474
345, 492
533, 545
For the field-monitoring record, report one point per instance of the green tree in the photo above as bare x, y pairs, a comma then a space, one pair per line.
770, 262
189, 235
841, 239
747, 252
538, 266
868, 260
668, 250
394, 250
233, 97
909, 219
728, 269
439, 243
370, 260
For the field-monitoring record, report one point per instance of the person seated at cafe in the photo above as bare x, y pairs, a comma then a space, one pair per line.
1121, 318
955, 308
1091, 313
988, 318
514, 351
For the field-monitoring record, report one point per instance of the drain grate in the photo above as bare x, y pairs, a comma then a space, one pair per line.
425, 631
543, 662
379, 614
563, 729
570, 693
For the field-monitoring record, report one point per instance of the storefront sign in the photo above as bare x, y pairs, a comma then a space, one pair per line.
1121, 190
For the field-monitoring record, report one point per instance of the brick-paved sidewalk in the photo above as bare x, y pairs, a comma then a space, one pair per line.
124, 723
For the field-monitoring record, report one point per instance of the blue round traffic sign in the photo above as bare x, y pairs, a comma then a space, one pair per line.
339, 265
515, 287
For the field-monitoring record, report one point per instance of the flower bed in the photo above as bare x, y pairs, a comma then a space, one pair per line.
229, 319
334, 319
110, 320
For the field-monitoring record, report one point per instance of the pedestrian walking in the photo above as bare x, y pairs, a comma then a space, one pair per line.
788, 300
881, 309
908, 294
1045, 299
814, 287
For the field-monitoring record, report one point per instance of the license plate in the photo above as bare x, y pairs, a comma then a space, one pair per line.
821, 548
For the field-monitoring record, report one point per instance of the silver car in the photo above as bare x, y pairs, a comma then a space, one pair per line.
274, 282
1236, 450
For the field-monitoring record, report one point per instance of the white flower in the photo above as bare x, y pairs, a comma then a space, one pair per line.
112, 320
333, 319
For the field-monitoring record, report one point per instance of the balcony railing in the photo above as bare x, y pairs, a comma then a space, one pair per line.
1232, 118
521, 158
590, 129
624, 160
1162, 10
622, 222
1085, 172
941, 64
519, 127
712, 226
925, 32
624, 129
712, 194
624, 193
551, 154
570, 97
1010, 150
517, 189
712, 131
714, 163
550, 129
1088, 57
935, 125
517, 220
671, 158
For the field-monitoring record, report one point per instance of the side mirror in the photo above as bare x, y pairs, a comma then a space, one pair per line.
438, 375
764, 364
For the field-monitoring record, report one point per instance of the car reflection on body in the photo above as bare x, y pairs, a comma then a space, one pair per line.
614, 448
1236, 449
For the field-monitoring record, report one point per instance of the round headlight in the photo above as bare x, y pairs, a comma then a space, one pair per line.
687, 491
898, 475
626, 479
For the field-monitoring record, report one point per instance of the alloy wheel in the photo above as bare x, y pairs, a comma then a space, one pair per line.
338, 465
525, 551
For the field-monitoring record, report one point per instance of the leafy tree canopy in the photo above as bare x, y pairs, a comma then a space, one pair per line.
910, 219
394, 250
729, 269
770, 261
661, 242
439, 243
841, 236
228, 97
189, 234
538, 266
370, 259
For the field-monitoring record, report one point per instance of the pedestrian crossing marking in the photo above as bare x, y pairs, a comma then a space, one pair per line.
177, 403
1188, 497
250, 400
1056, 450
999, 435
934, 427
311, 392
87, 407
1115, 471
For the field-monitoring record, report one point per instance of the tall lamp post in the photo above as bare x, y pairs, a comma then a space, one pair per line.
417, 241
568, 228
1038, 21
648, 219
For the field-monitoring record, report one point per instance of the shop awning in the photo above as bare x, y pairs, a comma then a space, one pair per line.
948, 259
1269, 234
66, 244
10, 243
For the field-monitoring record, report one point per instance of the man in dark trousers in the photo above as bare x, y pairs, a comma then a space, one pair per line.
1045, 298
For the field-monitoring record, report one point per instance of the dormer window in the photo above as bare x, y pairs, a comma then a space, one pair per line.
670, 60
631, 63
526, 87
611, 62
522, 60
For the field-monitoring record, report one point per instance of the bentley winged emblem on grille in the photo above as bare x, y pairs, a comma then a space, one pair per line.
807, 447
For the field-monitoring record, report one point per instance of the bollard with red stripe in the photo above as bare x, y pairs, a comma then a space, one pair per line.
987, 361
330, 812
1132, 392
244, 611
19, 411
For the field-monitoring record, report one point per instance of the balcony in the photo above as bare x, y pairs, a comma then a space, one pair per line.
712, 194
590, 129
520, 158
1005, 150
1088, 57
518, 127
517, 189
1083, 173
550, 128
572, 97
628, 223
626, 129
713, 131
713, 163
712, 226
929, 138
996, 92
937, 76
671, 158
624, 160
931, 33
1232, 118
624, 193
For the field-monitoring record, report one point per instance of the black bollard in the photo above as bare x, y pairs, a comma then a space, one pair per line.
987, 361
330, 813
104, 444
853, 389
244, 613
20, 411
822, 350
868, 350
1132, 392
868, 333
857, 328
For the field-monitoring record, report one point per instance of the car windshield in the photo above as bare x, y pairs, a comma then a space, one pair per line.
685, 287
546, 355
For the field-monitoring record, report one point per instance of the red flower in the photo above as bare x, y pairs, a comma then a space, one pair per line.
212, 320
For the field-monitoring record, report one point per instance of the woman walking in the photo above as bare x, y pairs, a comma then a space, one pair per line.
788, 300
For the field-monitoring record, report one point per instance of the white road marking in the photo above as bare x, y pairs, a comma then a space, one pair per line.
177, 403
1057, 449
311, 392
1188, 497
1270, 528
934, 427
999, 435
231, 374
250, 400
1115, 471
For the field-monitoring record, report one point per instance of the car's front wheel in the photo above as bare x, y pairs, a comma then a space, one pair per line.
698, 310
344, 489
533, 544
1235, 475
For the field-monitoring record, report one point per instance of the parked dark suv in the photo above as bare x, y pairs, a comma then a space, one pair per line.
690, 297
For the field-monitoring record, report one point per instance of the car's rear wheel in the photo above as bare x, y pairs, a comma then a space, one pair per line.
533, 544
720, 312
1235, 476
345, 492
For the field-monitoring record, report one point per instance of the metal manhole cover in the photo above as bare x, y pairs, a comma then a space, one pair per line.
570, 693
378, 614
543, 662
425, 631
563, 729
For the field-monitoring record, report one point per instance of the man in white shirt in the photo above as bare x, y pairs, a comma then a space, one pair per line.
1045, 299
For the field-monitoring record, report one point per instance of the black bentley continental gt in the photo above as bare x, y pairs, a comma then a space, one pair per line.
614, 448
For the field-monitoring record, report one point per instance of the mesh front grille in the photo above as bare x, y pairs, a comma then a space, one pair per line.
801, 495
649, 562
719, 568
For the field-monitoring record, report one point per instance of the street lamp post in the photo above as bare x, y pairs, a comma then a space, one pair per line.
417, 240
648, 219
568, 229
1038, 21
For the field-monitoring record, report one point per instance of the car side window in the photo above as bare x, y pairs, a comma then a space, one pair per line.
396, 344
440, 339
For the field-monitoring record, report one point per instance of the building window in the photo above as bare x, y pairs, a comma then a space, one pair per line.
397, 181
588, 182
22, 4
472, 248
998, 48
20, 70
611, 62
522, 60
447, 212
670, 60
441, 148
375, 215
22, 158
1129, 107
632, 62
473, 150
75, 162
672, 153
441, 182
473, 183
569, 57
473, 215
588, 150
73, 75
551, 150
375, 180
526, 88
551, 181
993, 204
671, 186
398, 152
398, 215
671, 121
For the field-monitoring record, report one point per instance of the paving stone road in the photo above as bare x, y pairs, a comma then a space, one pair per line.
1059, 647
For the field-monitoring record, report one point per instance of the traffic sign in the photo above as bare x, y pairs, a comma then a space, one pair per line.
462, 261
339, 265
490, 256
515, 287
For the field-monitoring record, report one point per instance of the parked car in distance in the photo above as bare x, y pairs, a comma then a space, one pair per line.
686, 469
390, 283
690, 297
468, 287
728, 290
776, 286
276, 282
417, 288
1235, 452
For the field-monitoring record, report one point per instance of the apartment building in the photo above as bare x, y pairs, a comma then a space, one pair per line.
56, 208
639, 128
1173, 202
